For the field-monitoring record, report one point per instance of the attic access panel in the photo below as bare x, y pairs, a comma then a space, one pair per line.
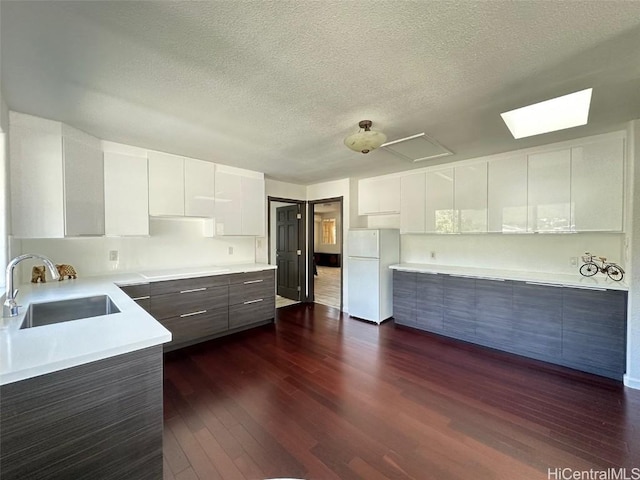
417, 148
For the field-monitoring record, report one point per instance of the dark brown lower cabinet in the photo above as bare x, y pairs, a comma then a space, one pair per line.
98, 420
580, 328
404, 298
202, 308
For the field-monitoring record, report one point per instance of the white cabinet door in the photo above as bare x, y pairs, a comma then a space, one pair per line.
37, 189
507, 185
240, 202
367, 197
199, 188
83, 188
228, 194
388, 192
166, 184
126, 195
597, 173
470, 197
549, 181
413, 203
253, 205
379, 196
440, 216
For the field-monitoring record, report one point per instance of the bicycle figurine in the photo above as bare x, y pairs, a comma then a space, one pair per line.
591, 267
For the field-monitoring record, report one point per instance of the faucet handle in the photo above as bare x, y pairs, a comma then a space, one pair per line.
15, 293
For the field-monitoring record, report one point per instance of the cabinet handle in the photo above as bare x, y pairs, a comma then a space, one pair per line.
587, 287
254, 301
146, 297
253, 281
542, 284
193, 313
194, 290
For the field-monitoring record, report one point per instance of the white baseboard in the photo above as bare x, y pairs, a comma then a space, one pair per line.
631, 382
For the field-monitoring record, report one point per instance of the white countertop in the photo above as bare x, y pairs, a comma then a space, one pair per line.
37, 351
599, 281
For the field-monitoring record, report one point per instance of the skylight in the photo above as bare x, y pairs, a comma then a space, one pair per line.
558, 113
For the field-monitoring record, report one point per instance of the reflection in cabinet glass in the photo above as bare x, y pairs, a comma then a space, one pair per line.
549, 189
597, 171
440, 217
471, 197
507, 196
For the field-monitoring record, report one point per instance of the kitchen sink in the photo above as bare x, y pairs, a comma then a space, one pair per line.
47, 313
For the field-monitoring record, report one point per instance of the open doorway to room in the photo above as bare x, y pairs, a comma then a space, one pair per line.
286, 219
325, 235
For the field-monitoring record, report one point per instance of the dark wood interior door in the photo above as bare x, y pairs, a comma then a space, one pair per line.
288, 253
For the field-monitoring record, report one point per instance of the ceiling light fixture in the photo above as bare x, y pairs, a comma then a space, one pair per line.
558, 113
366, 139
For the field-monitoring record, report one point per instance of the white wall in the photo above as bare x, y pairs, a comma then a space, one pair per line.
632, 377
291, 191
173, 243
540, 253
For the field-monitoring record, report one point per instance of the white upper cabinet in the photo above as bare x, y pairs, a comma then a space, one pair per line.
470, 197
253, 205
377, 196
199, 187
549, 189
440, 217
37, 185
56, 179
240, 201
597, 193
83, 185
166, 184
126, 194
413, 203
507, 189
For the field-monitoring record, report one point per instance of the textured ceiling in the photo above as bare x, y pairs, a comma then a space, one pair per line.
275, 86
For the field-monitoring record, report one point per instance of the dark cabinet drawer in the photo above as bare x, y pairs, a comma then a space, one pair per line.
190, 300
594, 328
138, 291
404, 298
243, 292
429, 302
252, 312
196, 325
177, 286
249, 277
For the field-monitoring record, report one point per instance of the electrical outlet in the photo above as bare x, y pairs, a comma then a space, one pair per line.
113, 255
433, 255
230, 250
573, 261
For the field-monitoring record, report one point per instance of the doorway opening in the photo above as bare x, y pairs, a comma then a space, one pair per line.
286, 220
325, 241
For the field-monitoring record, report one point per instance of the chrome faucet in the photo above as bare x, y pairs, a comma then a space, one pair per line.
10, 307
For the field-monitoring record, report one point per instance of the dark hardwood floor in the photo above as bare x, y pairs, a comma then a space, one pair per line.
322, 396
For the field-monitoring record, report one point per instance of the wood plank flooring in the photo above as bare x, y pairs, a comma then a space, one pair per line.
318, 395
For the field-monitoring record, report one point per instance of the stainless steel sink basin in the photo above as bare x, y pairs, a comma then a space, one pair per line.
39, 314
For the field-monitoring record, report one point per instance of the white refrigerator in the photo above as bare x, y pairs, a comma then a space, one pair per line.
370, 281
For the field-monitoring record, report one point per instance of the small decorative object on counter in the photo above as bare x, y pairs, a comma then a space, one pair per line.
38, 273
66, 271
593, 265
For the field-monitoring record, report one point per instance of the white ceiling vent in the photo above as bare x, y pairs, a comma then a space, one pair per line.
417, 148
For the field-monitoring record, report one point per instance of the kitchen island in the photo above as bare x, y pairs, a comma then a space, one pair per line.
566, 319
